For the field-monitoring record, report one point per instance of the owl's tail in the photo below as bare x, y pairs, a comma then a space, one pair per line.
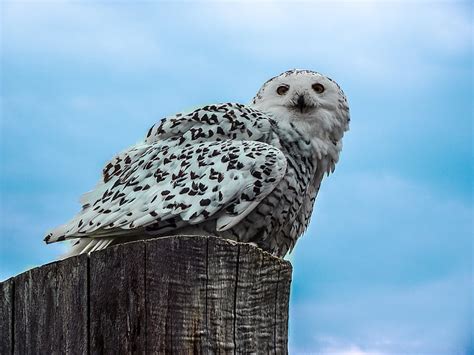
87, 245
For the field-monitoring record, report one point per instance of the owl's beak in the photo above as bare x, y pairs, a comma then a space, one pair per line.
301, 104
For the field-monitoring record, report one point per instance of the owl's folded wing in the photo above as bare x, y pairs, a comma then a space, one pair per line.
162, 184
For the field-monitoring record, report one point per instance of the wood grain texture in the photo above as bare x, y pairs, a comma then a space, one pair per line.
255, 303
6, 317
117, 300
176, 295
182, 294
50, 308
72, 316
222, 269
281, 308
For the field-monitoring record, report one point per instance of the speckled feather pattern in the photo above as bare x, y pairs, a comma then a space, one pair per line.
228, 170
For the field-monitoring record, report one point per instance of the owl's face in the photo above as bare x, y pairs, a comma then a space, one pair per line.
308, 99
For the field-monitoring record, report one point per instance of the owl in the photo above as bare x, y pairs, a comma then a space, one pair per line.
249, 173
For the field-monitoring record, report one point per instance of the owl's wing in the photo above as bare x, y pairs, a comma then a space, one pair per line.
214, 122
165, 177
208, 123
181, 185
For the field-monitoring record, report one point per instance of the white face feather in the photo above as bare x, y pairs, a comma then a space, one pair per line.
313, 102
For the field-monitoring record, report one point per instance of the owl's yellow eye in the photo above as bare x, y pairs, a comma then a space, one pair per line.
282, 89
318, 88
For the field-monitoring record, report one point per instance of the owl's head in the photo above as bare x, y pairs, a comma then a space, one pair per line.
312, 101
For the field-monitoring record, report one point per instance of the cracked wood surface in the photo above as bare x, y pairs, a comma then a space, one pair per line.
183, 294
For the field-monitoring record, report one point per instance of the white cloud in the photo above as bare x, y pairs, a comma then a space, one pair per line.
351, 350
440, 25
82, 32
385, 267
379, 40
370, 40
430, 318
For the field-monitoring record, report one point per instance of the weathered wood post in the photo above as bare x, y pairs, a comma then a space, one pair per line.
182, 295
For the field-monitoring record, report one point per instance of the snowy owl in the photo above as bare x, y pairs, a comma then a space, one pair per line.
248, 173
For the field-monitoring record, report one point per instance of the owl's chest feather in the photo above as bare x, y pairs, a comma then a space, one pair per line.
278, 221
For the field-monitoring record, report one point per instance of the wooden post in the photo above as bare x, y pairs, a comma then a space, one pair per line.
184, 294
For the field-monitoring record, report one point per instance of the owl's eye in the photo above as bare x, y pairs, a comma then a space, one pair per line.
318, 88
282, 89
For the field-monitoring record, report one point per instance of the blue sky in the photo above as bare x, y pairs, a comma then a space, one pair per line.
386, 265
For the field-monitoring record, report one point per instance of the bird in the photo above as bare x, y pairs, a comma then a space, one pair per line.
246, 173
